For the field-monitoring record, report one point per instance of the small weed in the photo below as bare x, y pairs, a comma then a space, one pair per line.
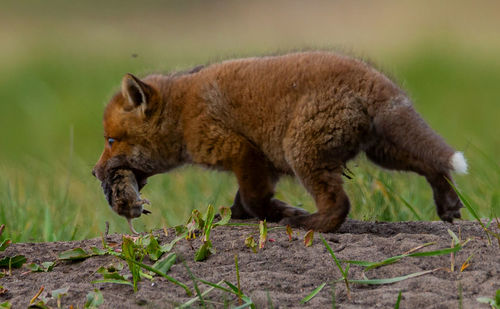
58, 294
45, 267
205, 223
111, 274
34, 298
132, 251
343, 271
308, 238
10, 261
74, 254
94, 299
166, 263
262, 233
289, 232
5, 244
6, 305
371, 265
250, 243
238, 277
494, 303
190, 302
40, 300
247, 301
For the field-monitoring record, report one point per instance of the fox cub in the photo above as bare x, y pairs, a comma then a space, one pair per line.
303, 114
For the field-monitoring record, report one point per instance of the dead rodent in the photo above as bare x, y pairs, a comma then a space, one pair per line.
122, 192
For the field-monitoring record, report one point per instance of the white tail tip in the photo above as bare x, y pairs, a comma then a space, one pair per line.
458, 163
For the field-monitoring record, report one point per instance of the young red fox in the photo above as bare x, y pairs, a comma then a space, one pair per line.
304, 114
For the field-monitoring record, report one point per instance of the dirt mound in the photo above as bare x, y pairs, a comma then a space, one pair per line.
284, 271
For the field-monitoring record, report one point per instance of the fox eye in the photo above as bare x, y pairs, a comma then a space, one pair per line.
111, 141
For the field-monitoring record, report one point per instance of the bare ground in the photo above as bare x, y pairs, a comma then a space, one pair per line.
284, 271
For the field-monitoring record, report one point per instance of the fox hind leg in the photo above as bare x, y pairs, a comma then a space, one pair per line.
323, 136
331, 201
403, 141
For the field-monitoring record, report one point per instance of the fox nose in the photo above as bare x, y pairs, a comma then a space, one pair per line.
93, 172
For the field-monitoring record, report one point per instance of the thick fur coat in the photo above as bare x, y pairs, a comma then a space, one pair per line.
304, 114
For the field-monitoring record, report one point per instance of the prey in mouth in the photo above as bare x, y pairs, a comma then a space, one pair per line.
121, 188
131, 152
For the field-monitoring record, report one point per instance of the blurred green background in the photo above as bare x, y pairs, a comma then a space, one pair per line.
60, 61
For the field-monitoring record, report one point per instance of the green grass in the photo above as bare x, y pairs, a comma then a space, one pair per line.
51, 136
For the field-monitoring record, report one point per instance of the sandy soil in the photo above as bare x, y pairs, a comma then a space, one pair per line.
284, 271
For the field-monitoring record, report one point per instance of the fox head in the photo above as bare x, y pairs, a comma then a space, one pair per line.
134, 137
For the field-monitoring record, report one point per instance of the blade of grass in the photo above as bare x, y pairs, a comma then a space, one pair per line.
460, 296
194, 299
398, 301
242, 224
312, 294
233, 287
420, 247
248, 303
344, 272
246, 299
334, 301
217, 286
392, 280
196, 288
337, 262
238, 277
233, 290
372, 265
269, 301
405, 202
113, 281
469, 207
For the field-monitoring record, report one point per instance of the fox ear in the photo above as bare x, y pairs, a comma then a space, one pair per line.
136, 92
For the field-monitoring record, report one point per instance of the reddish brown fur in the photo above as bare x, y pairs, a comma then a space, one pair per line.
302, 114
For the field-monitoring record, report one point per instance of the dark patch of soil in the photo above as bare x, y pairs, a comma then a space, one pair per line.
283, 272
